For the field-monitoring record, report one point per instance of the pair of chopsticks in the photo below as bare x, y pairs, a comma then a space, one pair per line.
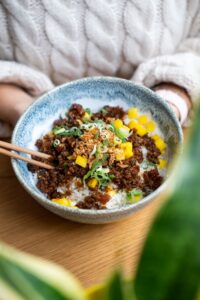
24, 150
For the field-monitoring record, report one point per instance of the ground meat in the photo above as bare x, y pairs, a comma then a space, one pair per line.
153, 152
60, 122
96, 200
126, 174
75, 113
45, 145
71, 169
152, 179
49, 180
108, 113
138, 155
136, 140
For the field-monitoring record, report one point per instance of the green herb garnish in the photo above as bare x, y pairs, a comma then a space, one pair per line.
145, 165
88, 110
130, 196
104, 111
118, 133
64, 131
96, 164
103, 177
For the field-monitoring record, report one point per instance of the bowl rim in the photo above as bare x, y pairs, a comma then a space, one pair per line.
93, 212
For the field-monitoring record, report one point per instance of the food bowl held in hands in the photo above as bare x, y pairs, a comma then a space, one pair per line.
110, 130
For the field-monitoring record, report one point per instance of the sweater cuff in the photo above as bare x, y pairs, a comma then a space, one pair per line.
34, 82
182, 69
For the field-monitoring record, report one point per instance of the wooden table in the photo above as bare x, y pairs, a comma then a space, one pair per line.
89, 251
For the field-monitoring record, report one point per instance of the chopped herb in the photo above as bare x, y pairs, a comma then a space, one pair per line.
103, 177
104, 111
130, 196
56, 143
58, 130
88, 110
65, 165
146, 165
96, 136
64, 131
118, 133
96, 164
105, 142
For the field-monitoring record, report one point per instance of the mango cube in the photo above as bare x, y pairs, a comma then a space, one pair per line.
133, 124
81, 161
143, 119
63, 201
128, 149
162, 163
132, 112
141, 130
160, 144
150, 126
111, 193
92, 183
137, 197
118, 123
86, 116
120, 156
155, 137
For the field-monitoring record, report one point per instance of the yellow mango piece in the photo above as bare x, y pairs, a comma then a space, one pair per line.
86, 116
155, 137
81, 161
132, 112
120, 155
141, 130
128, 149
143, 119
118, 123
150, 126
133, 124
63, 201
137, 198
162, 163
160, 144
111, 192
92, 183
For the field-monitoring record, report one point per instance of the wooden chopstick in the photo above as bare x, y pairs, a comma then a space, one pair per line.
27, 159
21, 149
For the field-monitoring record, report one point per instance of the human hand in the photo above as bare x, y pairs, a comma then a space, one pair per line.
13, 102
177, 98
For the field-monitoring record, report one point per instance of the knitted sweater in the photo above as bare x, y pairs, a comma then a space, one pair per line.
44, 43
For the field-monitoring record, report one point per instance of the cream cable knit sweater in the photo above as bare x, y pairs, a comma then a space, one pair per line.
47, 42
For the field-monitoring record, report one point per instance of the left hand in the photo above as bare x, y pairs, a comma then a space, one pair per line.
182, 106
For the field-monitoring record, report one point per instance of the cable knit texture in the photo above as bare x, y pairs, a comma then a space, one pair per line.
44, 43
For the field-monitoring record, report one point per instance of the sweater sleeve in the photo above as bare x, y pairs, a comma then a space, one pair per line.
33, 81
181, 68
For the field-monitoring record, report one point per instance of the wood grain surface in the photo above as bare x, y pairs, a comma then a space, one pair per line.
89, 251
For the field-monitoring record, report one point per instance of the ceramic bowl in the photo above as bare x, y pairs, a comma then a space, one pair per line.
94, 93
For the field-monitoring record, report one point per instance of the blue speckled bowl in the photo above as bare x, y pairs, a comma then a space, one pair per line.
94, 93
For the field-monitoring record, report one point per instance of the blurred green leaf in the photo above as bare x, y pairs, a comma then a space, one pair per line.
117, 288
169, 268
25, 277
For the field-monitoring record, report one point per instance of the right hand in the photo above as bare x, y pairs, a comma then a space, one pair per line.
13, 102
